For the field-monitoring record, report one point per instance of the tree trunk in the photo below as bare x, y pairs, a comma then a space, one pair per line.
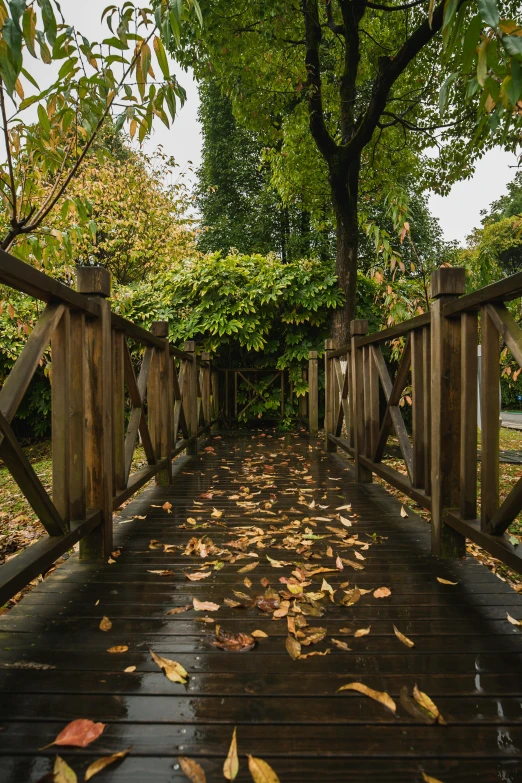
344, 188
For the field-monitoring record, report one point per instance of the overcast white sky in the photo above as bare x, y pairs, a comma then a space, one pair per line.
458, 213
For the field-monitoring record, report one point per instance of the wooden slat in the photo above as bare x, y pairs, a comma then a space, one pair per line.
418, 409
509, 330
137, 422
490, 415
77, 471
426, 370
362, 473
508, 511
60, 391
313, 393
399, 330
468, 413
118, 409
22, 472
190, 399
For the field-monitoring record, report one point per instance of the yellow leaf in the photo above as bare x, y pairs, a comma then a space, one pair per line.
513, 621
173, 670
105, 624
402, 638
192, 770
129, 669
216, 513
248, 567
231, 765
429, 779
362, 632
382, 592
261, 771
404, 513
100, 764
445, 581
123, 648
293, 647
424, 700
19, 89
133, 128
259, 634
62, 772
381, 696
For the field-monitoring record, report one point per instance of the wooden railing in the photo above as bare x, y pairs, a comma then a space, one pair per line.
173, 401
436, 359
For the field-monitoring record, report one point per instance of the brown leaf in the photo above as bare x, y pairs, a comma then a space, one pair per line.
248, 567
445, 581
339, 644
105, 761
315, 652
79, 733
424, 700
351, 597
192, 770
204, 606
231, 765
179, 609
404, 513
240, 642
293, 647
402, 638
173, 670
259, 635
161, 572
105, 624
216, 513
197, 575
261, 771
264, 581
414, 709
429, 779
339, 563
382, 592
167, 507
362, 632
62, 773
282, 611
381, 696
129, 669
121, 649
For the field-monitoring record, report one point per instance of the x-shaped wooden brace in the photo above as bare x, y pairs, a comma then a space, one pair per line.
11, 395
179, 421
392, 414
257, 393
511, 334
137, 422
343, 411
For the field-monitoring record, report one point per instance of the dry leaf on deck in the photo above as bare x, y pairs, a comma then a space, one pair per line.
512, 620
179, 609
429, 779
381, 696
162, 572
173, 670
204, 606
351, 597
78, 734
445, 581
105, 761
197, 575
259, 635
339, 644
315, 652
404, 513
415, 709
345, 522
248, 567
293, 647
231, 765
261, 771
167, 507
192, 770
382, 592
264, 581
284, 606
402, 638
105, 624
240, 642
129, 669
424, 700
216, 513
362, 632
121, 649
344, 508
247, 582
62, 773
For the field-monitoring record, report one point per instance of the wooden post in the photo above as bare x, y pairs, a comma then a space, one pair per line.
371, 403
468, 412
118, 410
77, 470
330, 385
215, 407
358, 328
426, 370
190, 396
302, 401
490, 415
418, 410
95, 282
60, 386
313, 393
160, 402
446, 284
205, 387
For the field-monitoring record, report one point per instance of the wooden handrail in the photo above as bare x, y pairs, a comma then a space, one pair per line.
503, 291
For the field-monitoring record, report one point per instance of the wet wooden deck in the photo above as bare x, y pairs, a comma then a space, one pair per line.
54, 664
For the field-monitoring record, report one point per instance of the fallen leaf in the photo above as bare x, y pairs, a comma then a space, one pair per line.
424, 700
179, 609
382, 592
162, 572
197, 575
429, 779
78, 734
415, 709
105, 761
216, 513
513, 621
282, 611
261, 771
339, 563
445, 581
105, 624
121, 649
129, 669
62, 773
240, 642
204, 606
402, 638
345, 630
339, 644
167, 507
192, 770
293, 647
381, 696
248, 567
345, 522
404, 513
315, 652
362, 632
231, 765
173, 670
344, 508
351, 597
259, 635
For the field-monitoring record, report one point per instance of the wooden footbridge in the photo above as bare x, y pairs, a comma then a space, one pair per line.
261, 573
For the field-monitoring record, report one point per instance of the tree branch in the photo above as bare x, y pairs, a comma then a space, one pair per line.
402, 7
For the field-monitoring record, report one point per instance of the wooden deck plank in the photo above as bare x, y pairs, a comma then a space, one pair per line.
54, 663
